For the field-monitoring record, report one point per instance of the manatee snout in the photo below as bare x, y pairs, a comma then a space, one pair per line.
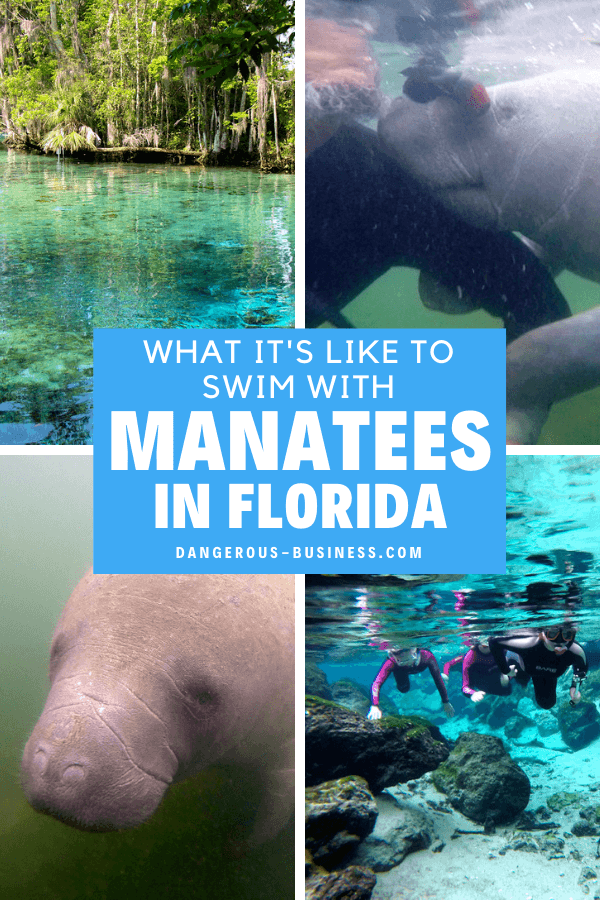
78, 771
154, 678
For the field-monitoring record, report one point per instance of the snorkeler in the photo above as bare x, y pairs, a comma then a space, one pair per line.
402, 663
480, 673
543, 657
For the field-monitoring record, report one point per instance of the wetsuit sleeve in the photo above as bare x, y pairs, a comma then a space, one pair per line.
517, 644
580, 666
466, 680
379, 679
497, 647
452, 662
431, 662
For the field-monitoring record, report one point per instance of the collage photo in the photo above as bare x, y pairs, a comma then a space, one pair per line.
272, 432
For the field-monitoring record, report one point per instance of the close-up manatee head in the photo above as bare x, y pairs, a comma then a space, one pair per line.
155, 677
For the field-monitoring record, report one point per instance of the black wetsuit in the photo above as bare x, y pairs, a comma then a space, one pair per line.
543, 666
364, 214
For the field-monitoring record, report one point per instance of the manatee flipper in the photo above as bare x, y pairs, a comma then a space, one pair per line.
437, 296
546, 365
365, 214
277, 800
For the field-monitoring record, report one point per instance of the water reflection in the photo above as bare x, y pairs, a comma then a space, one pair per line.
553, 530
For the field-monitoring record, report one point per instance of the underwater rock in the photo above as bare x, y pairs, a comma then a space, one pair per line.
579, 725
352, 883
592, 685
340, 742
315, 681
482, 781
500, 712
352, 695
400, 829
587, 874
550, 845
516, 725
588, 824
337, 814
355, 696
546, 723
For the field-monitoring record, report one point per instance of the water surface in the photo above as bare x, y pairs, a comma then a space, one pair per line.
553, 573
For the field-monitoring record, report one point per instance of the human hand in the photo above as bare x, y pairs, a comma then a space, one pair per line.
342, 79
449, 710
445, 677
339, 53
504, 679
477, 696
575, 696
374, 713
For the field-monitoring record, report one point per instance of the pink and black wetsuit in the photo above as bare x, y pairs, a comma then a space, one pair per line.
426, 661
455, 661
480, 673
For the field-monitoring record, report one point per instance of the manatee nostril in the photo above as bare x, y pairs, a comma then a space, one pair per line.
74, 773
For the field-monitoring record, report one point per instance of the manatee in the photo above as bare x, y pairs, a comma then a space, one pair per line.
364, 214
549, 364
531, 164
155, 677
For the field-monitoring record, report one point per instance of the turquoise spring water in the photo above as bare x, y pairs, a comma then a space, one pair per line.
553, 532
553, 535
103, 246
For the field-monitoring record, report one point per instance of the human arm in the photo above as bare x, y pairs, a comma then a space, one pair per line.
579, 673
430, 661
450, 664
469, 691
380, 678
341, 78
517, 643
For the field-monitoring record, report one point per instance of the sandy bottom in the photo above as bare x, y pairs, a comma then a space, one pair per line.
478, 867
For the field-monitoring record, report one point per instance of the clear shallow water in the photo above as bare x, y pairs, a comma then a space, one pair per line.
553, 573
553, 532
88, 246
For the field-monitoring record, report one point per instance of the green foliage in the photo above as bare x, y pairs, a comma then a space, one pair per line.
67, 141
223, 48
123, 68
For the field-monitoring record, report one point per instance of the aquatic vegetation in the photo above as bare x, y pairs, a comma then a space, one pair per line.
46, 377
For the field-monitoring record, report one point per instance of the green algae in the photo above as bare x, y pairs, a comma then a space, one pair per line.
561, 799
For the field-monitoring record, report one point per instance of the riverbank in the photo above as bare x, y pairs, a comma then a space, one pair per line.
159, 155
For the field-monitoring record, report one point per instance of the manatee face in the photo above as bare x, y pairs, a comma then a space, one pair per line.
531, 163
152, 679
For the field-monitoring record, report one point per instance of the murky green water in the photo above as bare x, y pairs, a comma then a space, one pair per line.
88, 246
393, 301
186, 850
